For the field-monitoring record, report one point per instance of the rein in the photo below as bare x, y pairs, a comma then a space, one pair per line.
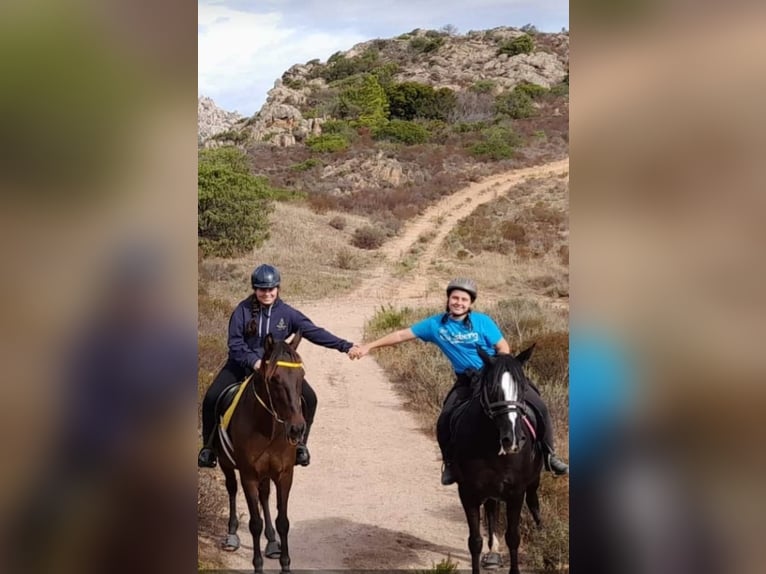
270, 407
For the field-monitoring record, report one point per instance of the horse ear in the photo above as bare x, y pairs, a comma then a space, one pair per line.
484, 356
295, 341
524, 356
268, 346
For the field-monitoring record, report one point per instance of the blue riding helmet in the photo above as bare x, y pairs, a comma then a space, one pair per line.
265, 277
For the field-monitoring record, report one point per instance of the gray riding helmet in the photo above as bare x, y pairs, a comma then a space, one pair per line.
464, 284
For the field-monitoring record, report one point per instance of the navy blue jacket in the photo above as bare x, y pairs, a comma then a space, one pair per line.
281, 321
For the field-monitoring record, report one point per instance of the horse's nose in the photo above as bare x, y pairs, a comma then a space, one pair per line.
296, 431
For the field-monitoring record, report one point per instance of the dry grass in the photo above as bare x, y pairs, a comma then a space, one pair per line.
315, 258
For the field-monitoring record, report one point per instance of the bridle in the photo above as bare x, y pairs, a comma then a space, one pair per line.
494, 409
270, 370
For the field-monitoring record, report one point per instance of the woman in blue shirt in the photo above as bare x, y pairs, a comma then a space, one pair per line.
457, 333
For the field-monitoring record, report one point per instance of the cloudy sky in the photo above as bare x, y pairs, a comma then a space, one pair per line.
244, 45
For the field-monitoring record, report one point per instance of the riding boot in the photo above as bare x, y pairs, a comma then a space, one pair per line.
302, 455
448, 473
206, 458
553, 463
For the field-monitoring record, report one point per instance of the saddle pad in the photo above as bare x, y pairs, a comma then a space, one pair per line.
226, 417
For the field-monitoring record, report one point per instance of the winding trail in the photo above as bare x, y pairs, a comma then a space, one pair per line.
371, 498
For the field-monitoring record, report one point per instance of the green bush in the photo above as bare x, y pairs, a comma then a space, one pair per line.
498, 143
340, 67
516, 104
341, 127
234, 136
306, 165
534, 91
520, 45
327, 143
410, 100
406, 132
483, 86
424, 45
232, 205
364, 101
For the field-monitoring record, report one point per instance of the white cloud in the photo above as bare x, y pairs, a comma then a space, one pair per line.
244, 46
241, 54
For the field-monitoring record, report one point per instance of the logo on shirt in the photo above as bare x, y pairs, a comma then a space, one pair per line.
282, 325
458, 338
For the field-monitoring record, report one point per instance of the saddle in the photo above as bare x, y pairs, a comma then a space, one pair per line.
224, 408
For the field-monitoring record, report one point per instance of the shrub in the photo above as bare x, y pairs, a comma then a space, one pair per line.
424, 45
340, 67
346, 259
520, 45
365, 101
234, 136
306, 165
338, 222
406, 132
368, 237
410, 100
516, 104
327, 143
483, 86
534, 91
498, 143
232, 205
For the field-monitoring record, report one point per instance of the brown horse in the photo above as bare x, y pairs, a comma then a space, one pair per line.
264, 431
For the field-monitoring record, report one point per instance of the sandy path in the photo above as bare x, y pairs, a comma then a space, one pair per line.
371, 498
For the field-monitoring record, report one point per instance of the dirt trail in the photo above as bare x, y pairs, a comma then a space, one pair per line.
371, 498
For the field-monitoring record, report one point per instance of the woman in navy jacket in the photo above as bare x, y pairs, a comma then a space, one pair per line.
263, 313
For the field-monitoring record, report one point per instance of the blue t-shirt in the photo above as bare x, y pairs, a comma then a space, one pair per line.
457, 341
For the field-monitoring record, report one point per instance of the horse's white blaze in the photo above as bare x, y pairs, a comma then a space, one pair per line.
511, 392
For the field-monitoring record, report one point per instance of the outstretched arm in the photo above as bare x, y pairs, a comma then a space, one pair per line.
386, 341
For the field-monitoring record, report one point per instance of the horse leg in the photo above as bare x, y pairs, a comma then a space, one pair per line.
272, 546
533, 502
492, 559
284, 484
231, 543
513, 506
472, 515
250, 486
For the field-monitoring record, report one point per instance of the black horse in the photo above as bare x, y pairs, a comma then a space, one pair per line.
496, 454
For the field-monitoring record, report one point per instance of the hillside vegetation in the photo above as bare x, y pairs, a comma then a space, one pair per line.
392, 125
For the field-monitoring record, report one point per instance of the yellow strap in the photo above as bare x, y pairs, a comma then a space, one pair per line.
226, 418
291, 365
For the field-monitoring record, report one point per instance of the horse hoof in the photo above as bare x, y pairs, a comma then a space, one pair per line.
231, 543
273, 549
492, 561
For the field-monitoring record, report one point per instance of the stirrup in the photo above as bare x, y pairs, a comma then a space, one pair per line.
448, 476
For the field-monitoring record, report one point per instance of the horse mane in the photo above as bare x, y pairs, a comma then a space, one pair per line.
501, 363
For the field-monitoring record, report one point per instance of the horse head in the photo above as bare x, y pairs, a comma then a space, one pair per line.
503, 386
282, 373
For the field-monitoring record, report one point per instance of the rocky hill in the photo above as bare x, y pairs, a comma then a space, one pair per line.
471, 66
212, 120
393, 125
